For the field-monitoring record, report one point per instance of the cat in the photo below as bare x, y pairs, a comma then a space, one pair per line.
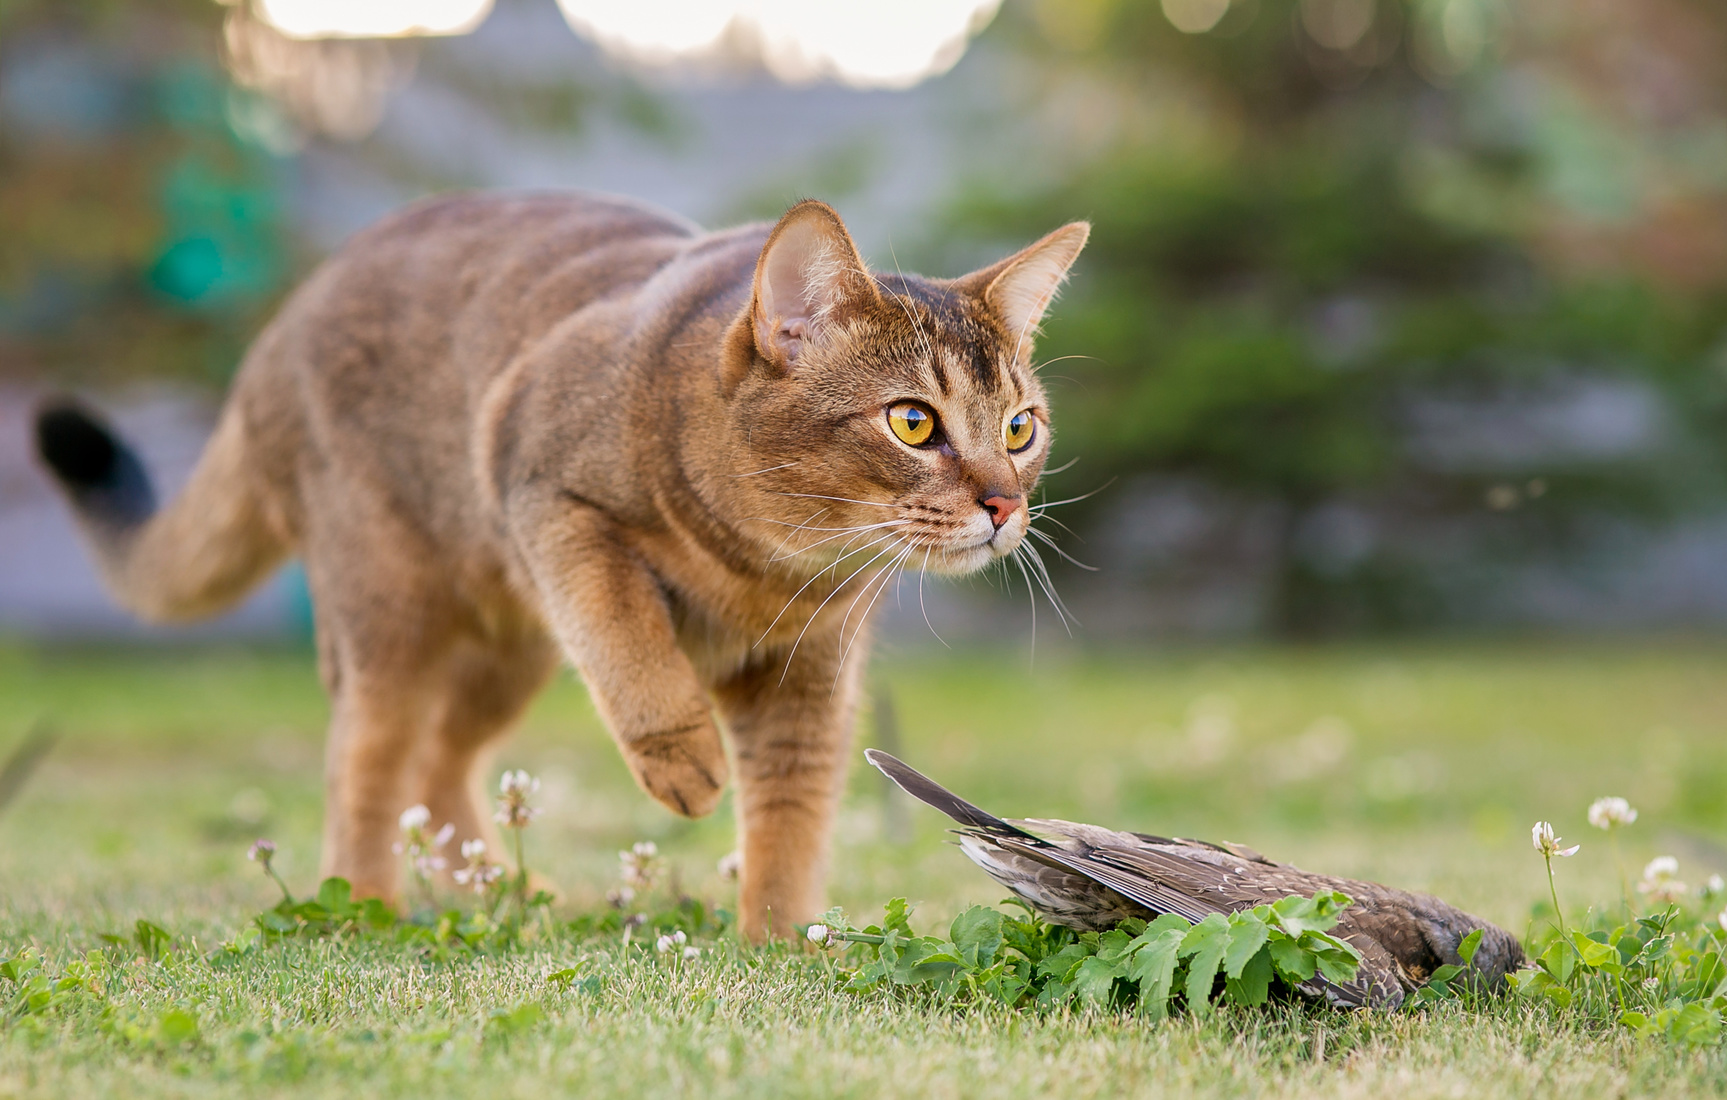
505, 430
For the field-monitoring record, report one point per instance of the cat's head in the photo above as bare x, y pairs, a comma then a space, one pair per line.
888, 418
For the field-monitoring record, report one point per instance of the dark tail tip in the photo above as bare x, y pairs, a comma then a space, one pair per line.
100, 472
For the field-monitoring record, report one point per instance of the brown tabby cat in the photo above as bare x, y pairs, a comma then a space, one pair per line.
503, 429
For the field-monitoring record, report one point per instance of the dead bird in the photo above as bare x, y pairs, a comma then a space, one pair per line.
1091, 878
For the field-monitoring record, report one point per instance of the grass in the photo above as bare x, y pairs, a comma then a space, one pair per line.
1419, 765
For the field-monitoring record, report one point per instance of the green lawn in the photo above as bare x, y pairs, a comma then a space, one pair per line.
1419, 765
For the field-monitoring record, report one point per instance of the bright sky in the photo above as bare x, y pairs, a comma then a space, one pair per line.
869, 43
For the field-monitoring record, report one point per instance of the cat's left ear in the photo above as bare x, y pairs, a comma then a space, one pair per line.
808, 274
1020, 288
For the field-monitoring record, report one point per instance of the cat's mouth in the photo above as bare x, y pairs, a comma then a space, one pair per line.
958, 561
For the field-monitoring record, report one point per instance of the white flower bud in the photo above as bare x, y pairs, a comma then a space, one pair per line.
1611, 812
1661, 867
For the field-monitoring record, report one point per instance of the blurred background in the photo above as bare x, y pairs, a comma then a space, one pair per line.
1400, 315
1403, 329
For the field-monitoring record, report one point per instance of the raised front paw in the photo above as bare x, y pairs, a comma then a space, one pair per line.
684, 768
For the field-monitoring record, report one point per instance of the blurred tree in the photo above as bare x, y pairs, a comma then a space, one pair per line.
141, 235
1314, 217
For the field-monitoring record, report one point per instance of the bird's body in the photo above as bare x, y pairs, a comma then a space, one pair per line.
1091, 878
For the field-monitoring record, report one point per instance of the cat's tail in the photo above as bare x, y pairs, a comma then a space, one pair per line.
201, 553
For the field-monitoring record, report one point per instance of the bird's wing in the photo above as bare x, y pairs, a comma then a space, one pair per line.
1151, 893
1062, 896
1380, 982
936, 796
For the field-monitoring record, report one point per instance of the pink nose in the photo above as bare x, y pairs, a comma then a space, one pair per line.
1000, 509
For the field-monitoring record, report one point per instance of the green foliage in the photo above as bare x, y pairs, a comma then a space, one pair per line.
1659, 975
1023, 962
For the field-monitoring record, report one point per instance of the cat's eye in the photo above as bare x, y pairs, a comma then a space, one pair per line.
1020, 430
912, 423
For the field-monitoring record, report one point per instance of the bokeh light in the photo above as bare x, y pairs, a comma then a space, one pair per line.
373, 18
888, 43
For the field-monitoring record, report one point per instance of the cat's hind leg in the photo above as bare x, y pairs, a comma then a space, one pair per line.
386, 625
485, 685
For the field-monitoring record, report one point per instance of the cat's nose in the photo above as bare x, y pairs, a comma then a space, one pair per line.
1000, 508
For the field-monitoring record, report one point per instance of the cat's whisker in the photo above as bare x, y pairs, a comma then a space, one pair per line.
820, 512
838, 588
916, 326
922, 571
843, 500
1031, 593
883, 578
1041, 572
1060, 358
1062, 525
834, 566
1071, 500
1044, 537
1063, 468
928, 349
842, 532
805, 526
770, 469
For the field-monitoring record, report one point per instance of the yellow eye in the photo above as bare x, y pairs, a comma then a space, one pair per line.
914, 424
1020, 430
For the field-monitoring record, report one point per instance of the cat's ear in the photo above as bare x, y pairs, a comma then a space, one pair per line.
808, 273
1020, 288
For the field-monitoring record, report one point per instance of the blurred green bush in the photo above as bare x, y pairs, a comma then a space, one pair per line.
1320, 216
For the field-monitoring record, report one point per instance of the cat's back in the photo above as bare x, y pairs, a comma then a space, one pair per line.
482, 273
379, 362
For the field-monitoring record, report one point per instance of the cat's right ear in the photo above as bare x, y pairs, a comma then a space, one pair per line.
808, 275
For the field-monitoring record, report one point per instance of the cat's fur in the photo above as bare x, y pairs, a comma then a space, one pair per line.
501, 430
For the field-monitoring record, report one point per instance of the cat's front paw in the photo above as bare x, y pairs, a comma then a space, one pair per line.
685, 770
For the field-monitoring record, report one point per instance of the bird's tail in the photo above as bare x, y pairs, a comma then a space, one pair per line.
933, 794
196, 556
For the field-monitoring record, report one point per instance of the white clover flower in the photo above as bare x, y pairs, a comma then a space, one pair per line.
513, 791
517, 781
729, 865
640, 865
1660, 881
1611, 812
679, 938
1721, 919
263, 851
1714, 886
692, 952
819, 934
479, 873
422, 850
1547, 843
664, 944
